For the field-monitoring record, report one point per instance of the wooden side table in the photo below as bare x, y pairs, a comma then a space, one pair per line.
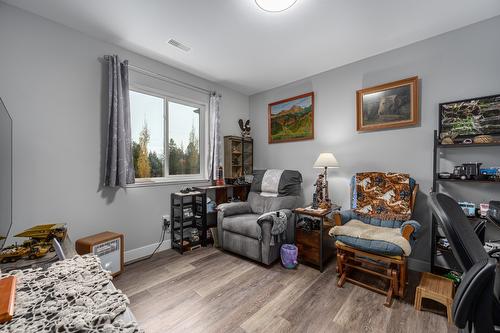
221, 191
315, 246
437, 288
221, 196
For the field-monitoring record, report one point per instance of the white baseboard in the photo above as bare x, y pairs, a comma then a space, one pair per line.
144, 251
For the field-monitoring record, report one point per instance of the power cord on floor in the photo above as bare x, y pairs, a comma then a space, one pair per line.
162, 239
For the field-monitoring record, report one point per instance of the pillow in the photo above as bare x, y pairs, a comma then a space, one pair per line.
383, 195
354, 195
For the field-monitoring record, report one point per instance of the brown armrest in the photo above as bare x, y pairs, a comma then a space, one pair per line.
337, 218
407, 231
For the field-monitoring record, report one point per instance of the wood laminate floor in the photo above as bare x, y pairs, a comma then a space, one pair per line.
208, 290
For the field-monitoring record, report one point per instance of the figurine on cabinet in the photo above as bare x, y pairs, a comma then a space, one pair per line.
319, 188
321, 193
245, 128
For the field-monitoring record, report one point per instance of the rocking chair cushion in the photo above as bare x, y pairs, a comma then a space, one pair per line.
370, 238
348, 215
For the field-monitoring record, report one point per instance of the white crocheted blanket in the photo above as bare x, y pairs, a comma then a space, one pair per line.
70, 296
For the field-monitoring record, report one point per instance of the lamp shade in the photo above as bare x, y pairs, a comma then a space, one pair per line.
326, 160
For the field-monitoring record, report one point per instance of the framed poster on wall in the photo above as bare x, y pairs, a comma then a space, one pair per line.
291, 119
389, 105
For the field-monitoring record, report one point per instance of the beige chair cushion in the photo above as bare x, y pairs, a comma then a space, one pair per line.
358, 229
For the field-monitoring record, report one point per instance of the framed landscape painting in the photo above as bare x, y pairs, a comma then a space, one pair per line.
291, 119
389, 105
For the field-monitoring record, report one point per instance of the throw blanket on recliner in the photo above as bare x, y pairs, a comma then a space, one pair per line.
279, 221
383, 195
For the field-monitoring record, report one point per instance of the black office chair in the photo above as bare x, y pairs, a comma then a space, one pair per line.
476, 307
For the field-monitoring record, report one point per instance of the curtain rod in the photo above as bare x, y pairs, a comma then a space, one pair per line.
165, 78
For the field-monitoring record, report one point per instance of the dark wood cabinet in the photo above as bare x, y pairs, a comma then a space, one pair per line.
308, 245
315, 247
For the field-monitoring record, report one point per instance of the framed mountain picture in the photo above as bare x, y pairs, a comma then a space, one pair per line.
389, 105
291, 119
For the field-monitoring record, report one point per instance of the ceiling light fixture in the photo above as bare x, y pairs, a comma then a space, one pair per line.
275, 5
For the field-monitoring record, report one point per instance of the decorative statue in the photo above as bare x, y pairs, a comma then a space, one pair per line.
320, 197
245, 128
319, 188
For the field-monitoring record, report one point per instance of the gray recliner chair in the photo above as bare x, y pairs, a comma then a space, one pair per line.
241, 227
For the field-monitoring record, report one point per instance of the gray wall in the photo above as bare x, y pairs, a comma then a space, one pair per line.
460, 64
5, 173
52, 83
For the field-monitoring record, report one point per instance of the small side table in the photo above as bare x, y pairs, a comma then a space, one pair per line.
315, 246
437, 288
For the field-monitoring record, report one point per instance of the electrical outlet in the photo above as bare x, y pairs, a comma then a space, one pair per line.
165, 222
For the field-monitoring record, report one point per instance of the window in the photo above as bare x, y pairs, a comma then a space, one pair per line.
167, 138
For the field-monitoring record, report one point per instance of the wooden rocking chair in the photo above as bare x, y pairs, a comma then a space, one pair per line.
392, 268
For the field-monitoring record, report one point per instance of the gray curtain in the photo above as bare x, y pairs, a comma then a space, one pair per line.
214, 156
119, 164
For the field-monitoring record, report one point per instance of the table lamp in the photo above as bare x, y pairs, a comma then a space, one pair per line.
326, 160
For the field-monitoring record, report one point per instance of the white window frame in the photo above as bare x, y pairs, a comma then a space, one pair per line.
203, 138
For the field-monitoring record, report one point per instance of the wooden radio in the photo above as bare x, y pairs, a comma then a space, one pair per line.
108, 246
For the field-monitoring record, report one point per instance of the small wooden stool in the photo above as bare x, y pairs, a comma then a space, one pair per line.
437, 288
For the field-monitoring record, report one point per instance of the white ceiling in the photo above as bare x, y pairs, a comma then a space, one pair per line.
235, 43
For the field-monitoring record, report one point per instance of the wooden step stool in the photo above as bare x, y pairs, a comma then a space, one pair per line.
437, 288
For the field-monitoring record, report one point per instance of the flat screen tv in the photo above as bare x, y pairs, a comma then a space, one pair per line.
5, 173
470, 117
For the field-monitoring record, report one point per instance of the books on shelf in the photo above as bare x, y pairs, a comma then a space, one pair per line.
188, 212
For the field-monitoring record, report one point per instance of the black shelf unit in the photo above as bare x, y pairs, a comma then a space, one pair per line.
465, 145
453, 180
443, 259
188, 211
